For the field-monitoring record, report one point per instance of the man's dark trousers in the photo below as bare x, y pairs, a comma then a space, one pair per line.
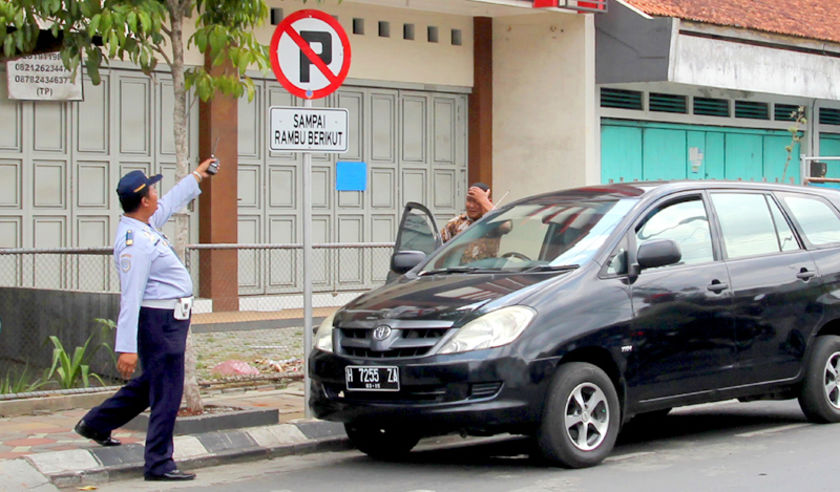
161, 341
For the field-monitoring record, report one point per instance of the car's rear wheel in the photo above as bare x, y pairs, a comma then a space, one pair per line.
384, 443
820, 393
581, 418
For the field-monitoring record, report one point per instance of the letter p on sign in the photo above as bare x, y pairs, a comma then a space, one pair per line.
310, 54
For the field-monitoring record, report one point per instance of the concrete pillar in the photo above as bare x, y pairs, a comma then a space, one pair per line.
480, 166
217, 219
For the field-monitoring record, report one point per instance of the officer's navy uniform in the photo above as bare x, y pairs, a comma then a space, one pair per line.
152, 280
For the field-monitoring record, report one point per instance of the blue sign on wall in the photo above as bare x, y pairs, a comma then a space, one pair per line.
350, 176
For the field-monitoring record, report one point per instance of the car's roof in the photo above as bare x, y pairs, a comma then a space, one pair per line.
652, 189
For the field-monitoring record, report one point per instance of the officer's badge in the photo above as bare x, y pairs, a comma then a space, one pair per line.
125, 262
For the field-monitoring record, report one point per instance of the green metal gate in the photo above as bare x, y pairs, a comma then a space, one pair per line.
830, 146
646, 151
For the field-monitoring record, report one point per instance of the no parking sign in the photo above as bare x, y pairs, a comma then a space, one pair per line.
310, 54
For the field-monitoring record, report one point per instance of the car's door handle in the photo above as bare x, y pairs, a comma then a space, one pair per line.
717, 286
805, 275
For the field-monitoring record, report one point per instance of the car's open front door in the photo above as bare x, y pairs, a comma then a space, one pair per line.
418, 233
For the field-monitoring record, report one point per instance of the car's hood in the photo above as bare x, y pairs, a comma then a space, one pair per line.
439, 297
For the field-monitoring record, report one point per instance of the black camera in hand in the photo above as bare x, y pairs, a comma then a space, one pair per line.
213, 168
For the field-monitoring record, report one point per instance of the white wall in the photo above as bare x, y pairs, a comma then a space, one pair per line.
544, 131
709, 62
392, 59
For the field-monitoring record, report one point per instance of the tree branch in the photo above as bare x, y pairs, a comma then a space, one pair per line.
162, 53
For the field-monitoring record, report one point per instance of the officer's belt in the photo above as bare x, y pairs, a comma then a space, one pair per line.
162, 303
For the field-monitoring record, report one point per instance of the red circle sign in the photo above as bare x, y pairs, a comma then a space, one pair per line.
310, 54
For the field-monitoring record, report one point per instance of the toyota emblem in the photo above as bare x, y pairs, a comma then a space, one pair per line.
381, 332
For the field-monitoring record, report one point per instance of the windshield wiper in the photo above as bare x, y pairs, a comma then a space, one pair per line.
453, 269
550, 268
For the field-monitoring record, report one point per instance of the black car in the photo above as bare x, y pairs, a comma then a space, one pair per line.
563, 315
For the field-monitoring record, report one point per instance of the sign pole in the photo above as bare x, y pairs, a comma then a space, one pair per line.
310, 55
307, 272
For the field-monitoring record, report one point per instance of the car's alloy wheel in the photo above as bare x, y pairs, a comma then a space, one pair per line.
820, 393
581, 417
832, 380
587, 416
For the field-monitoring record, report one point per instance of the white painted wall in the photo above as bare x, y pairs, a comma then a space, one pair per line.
709, 62
392, 59
544, 129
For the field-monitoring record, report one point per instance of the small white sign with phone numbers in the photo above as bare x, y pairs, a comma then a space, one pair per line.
42, 78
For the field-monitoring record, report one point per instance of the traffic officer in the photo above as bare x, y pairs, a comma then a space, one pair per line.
155, 303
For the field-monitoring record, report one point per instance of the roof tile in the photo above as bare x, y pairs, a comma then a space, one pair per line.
812, 19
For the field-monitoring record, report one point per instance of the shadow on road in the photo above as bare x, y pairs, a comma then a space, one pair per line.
642, 434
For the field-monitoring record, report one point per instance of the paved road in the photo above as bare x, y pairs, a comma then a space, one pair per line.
725, 446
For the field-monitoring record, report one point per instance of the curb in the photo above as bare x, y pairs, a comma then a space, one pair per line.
26, 406
102, 464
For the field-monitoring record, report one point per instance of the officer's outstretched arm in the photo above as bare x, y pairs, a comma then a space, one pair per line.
179, 196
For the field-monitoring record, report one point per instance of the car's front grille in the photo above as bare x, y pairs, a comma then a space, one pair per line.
388, 354
484, 390
399, 339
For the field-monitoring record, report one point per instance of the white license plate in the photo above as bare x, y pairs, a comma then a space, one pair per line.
372, 378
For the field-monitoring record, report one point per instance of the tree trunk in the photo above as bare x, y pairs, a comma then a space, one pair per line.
192, 398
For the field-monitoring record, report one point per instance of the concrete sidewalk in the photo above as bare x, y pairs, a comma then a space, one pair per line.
40, 451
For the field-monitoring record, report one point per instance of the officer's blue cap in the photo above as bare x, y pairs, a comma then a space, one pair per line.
135, 182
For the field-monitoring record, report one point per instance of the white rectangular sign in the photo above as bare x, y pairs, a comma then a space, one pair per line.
42, 78
308, 129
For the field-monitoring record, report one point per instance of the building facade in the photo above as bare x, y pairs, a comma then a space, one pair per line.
440, 93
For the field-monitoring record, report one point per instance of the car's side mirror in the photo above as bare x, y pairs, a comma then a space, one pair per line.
659, 252
403, 261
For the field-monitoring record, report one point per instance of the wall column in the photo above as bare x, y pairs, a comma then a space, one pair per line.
217, 219
480, 167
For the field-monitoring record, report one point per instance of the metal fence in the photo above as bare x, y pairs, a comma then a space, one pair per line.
249, 307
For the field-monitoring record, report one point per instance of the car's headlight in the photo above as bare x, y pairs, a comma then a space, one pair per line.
493, 329
323, 337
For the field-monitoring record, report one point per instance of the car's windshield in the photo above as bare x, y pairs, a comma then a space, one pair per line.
553, 231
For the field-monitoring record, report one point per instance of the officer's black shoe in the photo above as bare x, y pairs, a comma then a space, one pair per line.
173, 475
89, 432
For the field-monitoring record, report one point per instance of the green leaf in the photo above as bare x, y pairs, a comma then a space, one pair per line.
131, 20
201, 40
93, 27
106, 22
146, 22
113, 44
217, 40
8, 46
85, 374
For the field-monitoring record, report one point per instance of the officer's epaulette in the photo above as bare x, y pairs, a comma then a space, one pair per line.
129, 237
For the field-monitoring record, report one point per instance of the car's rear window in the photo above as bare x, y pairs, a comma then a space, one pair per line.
818, 219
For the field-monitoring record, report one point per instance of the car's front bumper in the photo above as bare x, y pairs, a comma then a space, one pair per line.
480, 392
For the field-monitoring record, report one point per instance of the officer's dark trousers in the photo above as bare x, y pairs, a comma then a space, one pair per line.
161, 340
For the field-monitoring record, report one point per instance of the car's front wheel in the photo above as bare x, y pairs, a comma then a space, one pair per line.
820, 393
581, 417
384, 443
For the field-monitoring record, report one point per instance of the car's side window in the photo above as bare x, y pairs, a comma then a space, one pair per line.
817, 218
686, 223
749, 226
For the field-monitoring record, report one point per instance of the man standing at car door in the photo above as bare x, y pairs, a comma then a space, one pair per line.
155, 304
477, 204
